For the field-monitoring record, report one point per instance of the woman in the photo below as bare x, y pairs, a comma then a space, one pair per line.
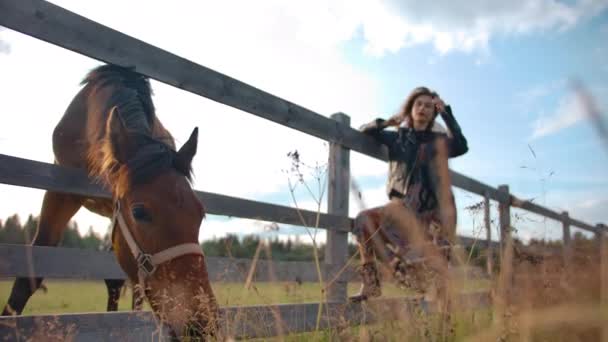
421, 207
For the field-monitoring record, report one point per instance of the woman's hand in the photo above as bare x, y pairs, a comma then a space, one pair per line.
395, 120
439, 104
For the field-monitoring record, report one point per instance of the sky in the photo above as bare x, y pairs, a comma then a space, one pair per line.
506, 68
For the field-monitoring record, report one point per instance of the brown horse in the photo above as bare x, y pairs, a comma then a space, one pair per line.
110, 129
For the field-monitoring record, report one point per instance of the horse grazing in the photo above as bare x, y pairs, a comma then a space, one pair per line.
110, 129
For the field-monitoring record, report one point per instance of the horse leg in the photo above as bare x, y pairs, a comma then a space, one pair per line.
57, 210
114, 286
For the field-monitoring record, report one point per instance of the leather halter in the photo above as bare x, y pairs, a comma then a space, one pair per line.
147, 263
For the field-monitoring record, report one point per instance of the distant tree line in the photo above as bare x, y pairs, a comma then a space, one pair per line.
290, 250
14, 231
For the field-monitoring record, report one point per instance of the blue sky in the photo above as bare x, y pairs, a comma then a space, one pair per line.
504, 67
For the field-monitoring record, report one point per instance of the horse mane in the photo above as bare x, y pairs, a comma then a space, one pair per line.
131, 97
135, 97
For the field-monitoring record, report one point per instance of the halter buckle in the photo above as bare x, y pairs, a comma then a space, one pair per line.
144, 263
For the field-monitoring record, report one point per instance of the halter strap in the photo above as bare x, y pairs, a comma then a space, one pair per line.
147, 263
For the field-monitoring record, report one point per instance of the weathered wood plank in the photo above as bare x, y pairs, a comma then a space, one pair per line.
239, 322
33, 174
537, 209
504, 219
472, 185
39, 175
338, 186
488, 226
466, 241
114, 326
56, 25
75, 263
567, 239
238, 207
236, 270
585, 226
53, 262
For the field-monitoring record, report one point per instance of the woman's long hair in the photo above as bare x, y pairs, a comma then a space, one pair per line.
405, 113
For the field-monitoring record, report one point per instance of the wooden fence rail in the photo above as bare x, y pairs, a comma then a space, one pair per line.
58, 26
239, 322
76, 263
34, 174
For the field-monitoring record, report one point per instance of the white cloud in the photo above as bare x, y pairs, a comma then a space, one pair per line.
528, 97
4, 47
570, 110
390, 25
451, 25
590, 203
593, 210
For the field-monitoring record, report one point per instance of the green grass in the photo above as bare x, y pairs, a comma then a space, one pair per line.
91, 296
466, 324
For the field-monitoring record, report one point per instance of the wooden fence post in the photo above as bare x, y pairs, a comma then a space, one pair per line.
488, 225
504, 217
567, 238
505, 277
336, 250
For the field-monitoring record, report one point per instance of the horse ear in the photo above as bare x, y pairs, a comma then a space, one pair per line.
118, 137
188, 150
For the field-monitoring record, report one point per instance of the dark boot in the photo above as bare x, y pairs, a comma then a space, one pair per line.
370, 286
410, 275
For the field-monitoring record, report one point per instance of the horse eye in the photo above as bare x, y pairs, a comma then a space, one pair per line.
140, 213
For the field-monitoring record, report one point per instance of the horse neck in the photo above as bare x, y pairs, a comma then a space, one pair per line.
161, 133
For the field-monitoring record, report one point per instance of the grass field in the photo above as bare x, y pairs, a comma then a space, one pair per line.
91, 296
565, 323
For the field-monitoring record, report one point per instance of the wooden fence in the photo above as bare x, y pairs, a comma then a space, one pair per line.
55, 25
